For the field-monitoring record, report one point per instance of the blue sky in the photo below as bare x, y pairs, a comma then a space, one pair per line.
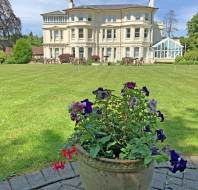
29, 10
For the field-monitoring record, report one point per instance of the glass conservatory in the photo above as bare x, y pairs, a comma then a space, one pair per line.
167, 49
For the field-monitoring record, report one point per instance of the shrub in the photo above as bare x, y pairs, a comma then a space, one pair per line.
89, 61
95, 58
65, 58
191, 55
2, 57
10, 60
179, 58
22, 52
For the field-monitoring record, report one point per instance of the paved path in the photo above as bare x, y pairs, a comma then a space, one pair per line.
68, 179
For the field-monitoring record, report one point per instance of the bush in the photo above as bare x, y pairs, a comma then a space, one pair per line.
89, 61
2, 57
95, 58
10, 60
189, 58
191, 55
179, 58
22, 52
65, 58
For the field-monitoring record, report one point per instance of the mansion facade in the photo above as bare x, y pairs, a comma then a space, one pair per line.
109, 31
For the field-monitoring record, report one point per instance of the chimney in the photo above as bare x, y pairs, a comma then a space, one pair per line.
151, 3
70, 4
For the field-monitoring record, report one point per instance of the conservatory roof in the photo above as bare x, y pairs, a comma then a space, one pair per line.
167, 39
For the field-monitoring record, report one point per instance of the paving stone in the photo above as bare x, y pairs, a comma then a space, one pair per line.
75, 167
55, 186
177, 175
191, 174
66, 187
190, 184
72, 182
161, 170
158, 181
36, 179
67, 172
50, 174
19, 183
5, 186
174, 180
175, 187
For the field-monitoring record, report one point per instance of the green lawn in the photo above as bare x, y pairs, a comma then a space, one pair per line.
34, 121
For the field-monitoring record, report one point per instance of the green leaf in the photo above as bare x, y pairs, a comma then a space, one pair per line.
161, 158
94, 151
148, 160
111, 144
105, 139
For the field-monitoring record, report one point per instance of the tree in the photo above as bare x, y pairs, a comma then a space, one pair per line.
22, 52
10, 25
34, 40
193, 26
170, 22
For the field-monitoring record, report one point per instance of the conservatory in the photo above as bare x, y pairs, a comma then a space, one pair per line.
167, 50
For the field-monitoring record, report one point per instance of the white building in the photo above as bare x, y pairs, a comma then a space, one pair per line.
115, 31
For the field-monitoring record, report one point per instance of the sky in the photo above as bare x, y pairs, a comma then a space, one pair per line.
29, 11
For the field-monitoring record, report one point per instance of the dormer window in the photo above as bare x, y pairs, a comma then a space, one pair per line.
80, 18
89, 18
146, 16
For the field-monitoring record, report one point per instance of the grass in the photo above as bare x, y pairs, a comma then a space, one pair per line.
34, 121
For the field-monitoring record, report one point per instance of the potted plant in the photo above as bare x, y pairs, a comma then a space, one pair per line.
116, 140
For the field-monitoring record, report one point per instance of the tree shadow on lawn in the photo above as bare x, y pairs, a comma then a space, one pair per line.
182, 132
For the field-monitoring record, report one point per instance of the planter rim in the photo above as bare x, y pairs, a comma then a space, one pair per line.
108, 160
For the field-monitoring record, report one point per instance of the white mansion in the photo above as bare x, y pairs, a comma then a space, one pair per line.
113, 31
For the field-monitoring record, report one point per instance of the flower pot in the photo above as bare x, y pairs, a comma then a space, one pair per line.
110, 174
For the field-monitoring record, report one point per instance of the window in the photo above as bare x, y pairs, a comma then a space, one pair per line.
114, 33
81, 52
89, 33
51, 53
51, 35
146, 30
114, 53
73, 33
136, 52
80, 33
108, 18
56, 52
127, 52
109, 52
103, 33
146, 16
102, 52
114, 18
56, 35
137, 16
72, 18
128, 32
89, 18
80, 18
62, 50
61, 32
89, 52
128, 16
137, 32
73, 52
109, 33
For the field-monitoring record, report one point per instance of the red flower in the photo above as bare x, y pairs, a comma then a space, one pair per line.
58, 165
69, 152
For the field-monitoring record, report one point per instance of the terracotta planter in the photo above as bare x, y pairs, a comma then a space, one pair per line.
109, 174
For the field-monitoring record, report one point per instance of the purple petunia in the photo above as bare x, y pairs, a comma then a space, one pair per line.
145, 91
130, 85
160, 135
152, 106
160, 115
155, 151
87, 106
178, 163
102, 93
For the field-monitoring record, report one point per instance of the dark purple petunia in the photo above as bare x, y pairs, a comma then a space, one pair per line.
145, 91
160, 135
155, 151
147, 129
73, 116
152, 106
76, 107
178, 163
130, 85
102, 93
87, 106
160, 115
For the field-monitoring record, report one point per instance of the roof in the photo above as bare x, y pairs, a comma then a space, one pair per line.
165, 39
37, 50
112, 6
54, 13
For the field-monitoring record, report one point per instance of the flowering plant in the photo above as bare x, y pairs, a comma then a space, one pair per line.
121, 127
